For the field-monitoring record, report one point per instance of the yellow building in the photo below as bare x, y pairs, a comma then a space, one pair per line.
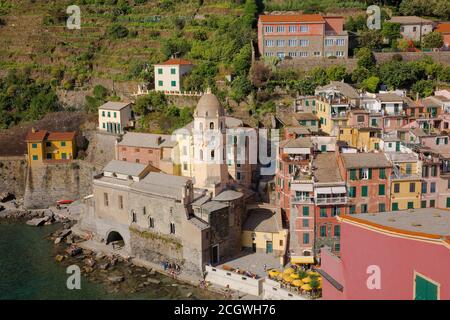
367, 139
44, 146
263, 232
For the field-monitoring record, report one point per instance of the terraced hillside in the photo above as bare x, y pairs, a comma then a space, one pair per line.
118, 39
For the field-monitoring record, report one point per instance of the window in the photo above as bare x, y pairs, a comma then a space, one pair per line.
337, 231
160, 71
317, 53
423, 204
103, 125
364, 208
173, 83
280, 43
410, 205
364, 191
412, 187
138, 161
381, 190
323, 231
303, 54
151, 222
352, 209
34, 146
133, 217
103, 113
160, 83
115, 114
408, 168
432, 187
432, 203
292, 28
281, 29
425, 172
381, 207
339, 53
374, 122
292, 43
334, 211
303, 43
292, 54
105, 199
424, 187
365, 174
270, 43
448, 184
305, 211
394, 206
305, 238
48, 144
396, 187
337, 247
173, 71
48, 156
35, 157
305, 223
340, 42
172, 228
425, 289
212, 155
304, 28
352, 192
328, 42
433, 171
120, 202
269, 29
185, 166
323, 212
63, 156
352, 174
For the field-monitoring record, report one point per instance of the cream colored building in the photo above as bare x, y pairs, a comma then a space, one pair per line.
169, 74
113, 117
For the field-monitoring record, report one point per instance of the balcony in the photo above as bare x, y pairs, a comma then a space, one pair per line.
302, 200
339, 115
331, 201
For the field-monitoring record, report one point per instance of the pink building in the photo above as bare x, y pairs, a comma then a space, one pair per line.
157, 150
399, 255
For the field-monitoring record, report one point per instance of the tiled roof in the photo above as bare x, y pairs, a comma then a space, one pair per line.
443, 27
302, 142
344, 88
147, 140
112, 105
409, 20
263, 220
327, 169
38, 135
305, 18
305, 116
365, 160
124, 167
389, 97
174, 61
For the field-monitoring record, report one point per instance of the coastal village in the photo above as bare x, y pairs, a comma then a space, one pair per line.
342, 180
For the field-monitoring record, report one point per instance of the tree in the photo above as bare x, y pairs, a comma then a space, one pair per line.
370, 39
397, 74
336, 73
154, 101
403, 45
117, 31
391, 31
175, 45
250, 12
371, 84
259, 74
433, 40
100, 92
242, 61
366, 59
356, 24
240, 88
424, 88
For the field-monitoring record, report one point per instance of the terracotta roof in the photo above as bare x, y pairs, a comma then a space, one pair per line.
443, 27
53, 136
292, 18
38, 135
174, 61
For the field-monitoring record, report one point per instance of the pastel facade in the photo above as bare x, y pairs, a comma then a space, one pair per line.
413, 265
50, 147
169, 74
412, 27
302, 36
113, 117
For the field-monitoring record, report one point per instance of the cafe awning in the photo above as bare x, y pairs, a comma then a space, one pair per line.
338, 190
323, 190
302, 187
302, 260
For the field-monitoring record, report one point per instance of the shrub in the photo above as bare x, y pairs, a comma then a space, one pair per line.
117, 31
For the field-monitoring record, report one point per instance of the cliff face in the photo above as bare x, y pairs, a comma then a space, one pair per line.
47, 184
13, 174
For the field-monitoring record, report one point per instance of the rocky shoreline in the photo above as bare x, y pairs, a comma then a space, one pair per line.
116, 273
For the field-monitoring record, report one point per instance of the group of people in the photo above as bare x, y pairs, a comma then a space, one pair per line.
172, 268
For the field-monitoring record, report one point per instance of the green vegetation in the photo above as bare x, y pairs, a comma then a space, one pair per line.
23, 98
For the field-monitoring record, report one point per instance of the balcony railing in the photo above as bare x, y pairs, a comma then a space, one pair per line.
302, 200
331, 200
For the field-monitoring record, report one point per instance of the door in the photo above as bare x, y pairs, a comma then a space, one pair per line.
425, 289
63, 156
269, 247
215, 254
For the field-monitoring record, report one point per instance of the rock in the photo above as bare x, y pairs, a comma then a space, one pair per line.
37, 221
174, 285
189, 295
89, 262
154, 281
152, 273
59, 258
73, 251
104, 266
116, 279
48, 223
64, 233
58, 240
99, 255
88, 269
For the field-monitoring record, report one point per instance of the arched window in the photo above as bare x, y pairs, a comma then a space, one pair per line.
212, 155
211, 125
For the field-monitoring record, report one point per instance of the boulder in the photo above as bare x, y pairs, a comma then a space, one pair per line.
116, 279
37, 221
154, 281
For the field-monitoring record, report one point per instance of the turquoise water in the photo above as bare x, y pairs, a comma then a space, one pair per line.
28, 271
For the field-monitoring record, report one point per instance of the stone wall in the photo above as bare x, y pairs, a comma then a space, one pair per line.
49, 183
440, 56
13, 174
